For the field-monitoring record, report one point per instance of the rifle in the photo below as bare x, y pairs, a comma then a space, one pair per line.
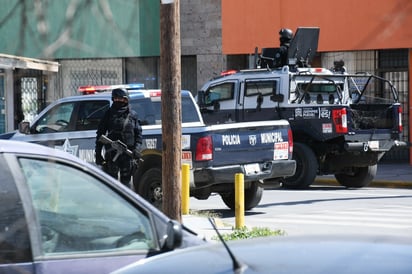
118, 145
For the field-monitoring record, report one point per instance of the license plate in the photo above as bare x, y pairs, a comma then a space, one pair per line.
252, 169
281, 151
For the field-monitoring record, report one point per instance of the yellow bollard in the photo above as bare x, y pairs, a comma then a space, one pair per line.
185, 188
239, 200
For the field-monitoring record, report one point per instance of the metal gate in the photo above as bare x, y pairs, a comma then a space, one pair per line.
393, 65
30, 97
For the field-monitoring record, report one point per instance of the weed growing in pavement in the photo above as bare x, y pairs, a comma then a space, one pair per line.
239, 233
246, 233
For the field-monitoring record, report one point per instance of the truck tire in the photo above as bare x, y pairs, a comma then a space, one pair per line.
253, 196
306, 167
360, 177
150, 187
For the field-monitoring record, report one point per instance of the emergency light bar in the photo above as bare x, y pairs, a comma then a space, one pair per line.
95, 89
228, 72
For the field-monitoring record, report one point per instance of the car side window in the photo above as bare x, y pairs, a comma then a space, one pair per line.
220, 92
78, 213
90, 113
56, 120
264, 88
259, 92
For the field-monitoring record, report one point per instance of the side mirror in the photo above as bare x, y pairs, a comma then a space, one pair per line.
277, 98
24, 127
174, 235
201, 98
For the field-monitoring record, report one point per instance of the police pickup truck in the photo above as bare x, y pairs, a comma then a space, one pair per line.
215, 153
342, 123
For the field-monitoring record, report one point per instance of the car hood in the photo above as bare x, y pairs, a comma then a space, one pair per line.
286, 255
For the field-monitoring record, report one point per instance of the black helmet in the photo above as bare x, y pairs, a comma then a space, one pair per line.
120, 93
285, 35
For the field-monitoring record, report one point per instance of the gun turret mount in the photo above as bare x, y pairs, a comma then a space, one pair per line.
303, 47
299, 53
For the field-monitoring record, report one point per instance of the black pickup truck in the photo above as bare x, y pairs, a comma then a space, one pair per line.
342, 123
215, 153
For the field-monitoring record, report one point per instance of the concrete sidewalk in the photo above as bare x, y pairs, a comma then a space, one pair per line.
396, 175
392, 175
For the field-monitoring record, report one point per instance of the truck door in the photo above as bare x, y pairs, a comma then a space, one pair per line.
255, 99
220, 103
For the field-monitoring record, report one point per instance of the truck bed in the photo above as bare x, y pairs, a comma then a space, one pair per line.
372, 116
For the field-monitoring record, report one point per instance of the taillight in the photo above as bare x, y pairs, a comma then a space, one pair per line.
155, 93
400, 127
340, 120
204, 149
290, 141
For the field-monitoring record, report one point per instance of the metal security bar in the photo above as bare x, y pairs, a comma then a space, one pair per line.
29, 97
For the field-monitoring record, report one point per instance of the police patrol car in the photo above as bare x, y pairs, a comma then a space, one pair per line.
214, 153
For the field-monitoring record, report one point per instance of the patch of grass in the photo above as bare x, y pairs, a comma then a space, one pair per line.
240, 233
246, 233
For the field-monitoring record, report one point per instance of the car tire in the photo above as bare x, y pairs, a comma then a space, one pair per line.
360, 177
253, 196
150, 187
306, 168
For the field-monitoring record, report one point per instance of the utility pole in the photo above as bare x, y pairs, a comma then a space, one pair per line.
170, 73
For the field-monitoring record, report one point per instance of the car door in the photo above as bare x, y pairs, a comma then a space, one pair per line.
220, 103
256, 102
77, 222
70, 126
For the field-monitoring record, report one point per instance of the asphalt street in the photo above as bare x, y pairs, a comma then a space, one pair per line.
390, 175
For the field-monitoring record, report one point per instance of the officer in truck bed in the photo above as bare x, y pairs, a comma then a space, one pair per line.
119, 122
285, 37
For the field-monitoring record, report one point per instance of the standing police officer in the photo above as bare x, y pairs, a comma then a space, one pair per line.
120, 122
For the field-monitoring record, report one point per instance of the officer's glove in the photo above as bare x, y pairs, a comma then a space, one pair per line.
99, 159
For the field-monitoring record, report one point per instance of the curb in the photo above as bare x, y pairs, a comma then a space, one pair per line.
376, 183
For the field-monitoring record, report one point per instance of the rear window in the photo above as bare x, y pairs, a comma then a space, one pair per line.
149, 110
320, 88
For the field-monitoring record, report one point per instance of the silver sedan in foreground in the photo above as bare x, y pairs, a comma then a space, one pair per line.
59, 214
286, 255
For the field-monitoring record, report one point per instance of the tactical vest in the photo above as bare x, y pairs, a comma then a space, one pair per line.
121, 127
